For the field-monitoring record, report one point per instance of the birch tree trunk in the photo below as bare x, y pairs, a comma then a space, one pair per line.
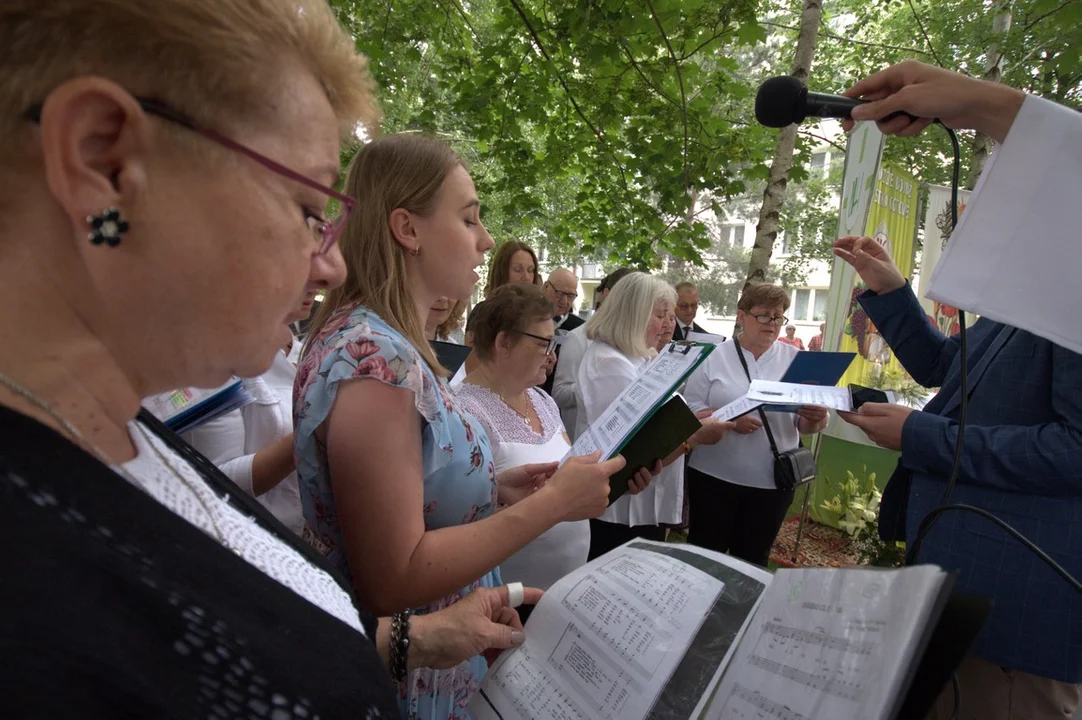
993, 72
766, 231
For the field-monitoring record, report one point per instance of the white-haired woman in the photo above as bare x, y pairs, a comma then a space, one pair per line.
623, 335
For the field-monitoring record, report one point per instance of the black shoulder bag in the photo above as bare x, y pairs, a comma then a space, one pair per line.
792, 467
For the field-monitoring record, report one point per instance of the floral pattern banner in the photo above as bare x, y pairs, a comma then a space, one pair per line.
937, 231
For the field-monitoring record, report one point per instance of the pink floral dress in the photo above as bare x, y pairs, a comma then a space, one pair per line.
459, 475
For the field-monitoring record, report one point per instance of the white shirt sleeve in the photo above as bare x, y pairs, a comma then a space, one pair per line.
222, 442
605, 373
697, 390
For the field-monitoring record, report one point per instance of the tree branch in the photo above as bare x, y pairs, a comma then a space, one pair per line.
466, 19
704, 43
832, 36
828, 141
1053, 11
648, 81
683, 95
570, 96
927, 41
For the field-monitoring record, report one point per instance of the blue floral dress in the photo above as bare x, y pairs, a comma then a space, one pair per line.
459, 475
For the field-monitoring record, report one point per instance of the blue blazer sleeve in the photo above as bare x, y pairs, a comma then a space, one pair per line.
924, 352
1038, 459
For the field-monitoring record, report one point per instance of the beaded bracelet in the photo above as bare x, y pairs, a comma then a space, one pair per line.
400, 645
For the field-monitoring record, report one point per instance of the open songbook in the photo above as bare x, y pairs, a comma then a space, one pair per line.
187, 409
663, 630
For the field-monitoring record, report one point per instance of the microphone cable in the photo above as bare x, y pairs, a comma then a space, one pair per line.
944, 503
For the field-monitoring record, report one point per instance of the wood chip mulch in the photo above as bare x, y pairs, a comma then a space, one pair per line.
820, 546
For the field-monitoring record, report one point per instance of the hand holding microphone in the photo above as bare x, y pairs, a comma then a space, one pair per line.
903, 100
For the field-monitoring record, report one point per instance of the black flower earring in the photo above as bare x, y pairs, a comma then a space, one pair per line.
106, 227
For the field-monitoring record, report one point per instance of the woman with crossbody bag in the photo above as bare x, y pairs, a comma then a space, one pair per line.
741, 487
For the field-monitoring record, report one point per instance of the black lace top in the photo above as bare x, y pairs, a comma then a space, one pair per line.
111, 606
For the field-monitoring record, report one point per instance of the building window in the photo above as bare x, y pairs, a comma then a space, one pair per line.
819, 314
732, 235
782, 243
818, 163
801, 304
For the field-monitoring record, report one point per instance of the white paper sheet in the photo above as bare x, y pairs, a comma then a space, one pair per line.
656, 384
812, 655
710, 338
1015, 254
789, 396
606, 638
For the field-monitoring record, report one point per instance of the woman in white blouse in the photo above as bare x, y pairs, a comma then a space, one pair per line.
513, 335
253, 446
734, 504
622, 336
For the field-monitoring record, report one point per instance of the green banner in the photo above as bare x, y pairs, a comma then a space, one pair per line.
892, 222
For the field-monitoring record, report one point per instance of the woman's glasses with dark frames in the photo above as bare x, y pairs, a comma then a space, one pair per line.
550, 342
326, 231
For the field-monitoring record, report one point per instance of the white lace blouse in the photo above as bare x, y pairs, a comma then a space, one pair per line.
563, 547
154, 470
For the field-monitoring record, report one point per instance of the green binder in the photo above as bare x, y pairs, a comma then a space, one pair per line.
662, 433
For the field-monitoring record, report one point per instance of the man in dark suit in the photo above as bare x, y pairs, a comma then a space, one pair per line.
1021, 460
687, 306
562, 288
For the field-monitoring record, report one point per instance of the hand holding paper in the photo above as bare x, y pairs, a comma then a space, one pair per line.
747, 424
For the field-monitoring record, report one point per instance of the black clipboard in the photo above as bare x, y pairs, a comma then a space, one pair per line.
450, 355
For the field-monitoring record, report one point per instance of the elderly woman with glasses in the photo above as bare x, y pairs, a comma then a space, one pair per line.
622, 336
159, 224
734, 505
513, 335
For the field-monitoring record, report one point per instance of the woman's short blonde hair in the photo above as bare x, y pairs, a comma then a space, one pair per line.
764, 295
215, 60
622, 319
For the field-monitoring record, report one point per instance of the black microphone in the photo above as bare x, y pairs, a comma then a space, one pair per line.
784, 100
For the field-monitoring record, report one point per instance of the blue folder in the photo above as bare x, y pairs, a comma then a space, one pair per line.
814, 368
818, 368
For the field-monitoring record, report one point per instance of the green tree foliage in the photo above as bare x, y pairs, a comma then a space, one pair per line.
589, 126
613, 130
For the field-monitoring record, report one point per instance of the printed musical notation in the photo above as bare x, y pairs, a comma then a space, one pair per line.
603, 641
757, 707
666, 592
531, 691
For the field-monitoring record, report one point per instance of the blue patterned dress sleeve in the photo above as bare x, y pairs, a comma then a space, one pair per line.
459, 474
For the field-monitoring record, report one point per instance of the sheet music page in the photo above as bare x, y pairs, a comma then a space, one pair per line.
605, 640
657, 382
828, 644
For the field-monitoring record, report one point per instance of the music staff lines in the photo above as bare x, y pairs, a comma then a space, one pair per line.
830, 642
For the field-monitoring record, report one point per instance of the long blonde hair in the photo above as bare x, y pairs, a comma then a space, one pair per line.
395, 171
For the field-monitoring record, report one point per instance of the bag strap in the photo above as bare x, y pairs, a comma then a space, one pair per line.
766, 424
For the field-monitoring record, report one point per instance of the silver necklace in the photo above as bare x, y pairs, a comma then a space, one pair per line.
524, 417
81, 439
